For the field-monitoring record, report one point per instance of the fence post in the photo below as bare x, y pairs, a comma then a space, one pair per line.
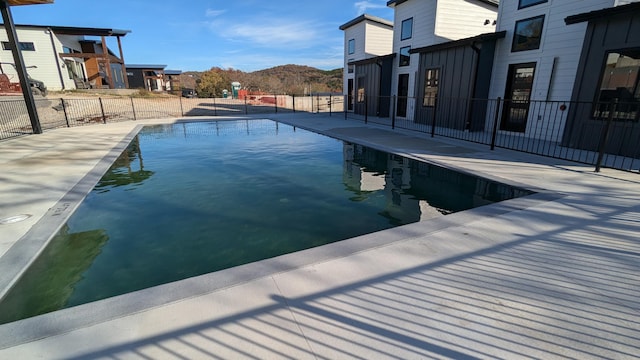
293, 97
330, 105
433, 120
215, 107
318, 102
181, 108
133, 108
604, 138
64, 108
104, 118
345, 106
393, 112
366, 108
246, 108
495, 123
275, 100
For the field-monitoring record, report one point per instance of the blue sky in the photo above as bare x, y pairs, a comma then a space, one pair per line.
188, 35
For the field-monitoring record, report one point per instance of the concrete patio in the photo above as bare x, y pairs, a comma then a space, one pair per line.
553, 275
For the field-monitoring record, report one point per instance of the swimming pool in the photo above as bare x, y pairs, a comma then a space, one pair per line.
192, 198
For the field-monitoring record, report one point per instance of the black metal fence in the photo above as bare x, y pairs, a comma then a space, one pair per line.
59, 112
603, 134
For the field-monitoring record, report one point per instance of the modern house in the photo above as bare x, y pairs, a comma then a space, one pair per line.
67, 57
153, 77
365, 37
420, 24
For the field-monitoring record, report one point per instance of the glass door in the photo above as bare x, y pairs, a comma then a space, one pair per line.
517, 97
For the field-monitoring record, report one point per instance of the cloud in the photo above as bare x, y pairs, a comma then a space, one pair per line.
363, 6
276, 34
214, 13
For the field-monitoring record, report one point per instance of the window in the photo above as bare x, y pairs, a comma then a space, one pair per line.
350, 67
407, 29
405, 56
620, 80
431, 83
527, 3
527, 34
352, 46
24, 46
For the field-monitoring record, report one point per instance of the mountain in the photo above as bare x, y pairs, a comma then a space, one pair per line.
284, 79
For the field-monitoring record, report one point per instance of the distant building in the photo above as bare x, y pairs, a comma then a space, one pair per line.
153, 77
67, 57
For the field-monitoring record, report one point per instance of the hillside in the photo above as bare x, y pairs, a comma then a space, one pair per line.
285, 79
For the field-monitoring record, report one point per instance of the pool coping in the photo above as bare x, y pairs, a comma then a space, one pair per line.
17, 259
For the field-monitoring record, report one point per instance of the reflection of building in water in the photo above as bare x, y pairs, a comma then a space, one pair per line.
414, 190
368, 172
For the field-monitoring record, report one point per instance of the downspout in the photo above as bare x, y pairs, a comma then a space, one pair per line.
55, 55
477, 50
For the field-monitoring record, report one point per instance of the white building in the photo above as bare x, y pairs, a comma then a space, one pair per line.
365, 37
538, 60
419, 23
66, 57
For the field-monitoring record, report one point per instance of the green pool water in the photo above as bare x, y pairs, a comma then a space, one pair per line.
193, 198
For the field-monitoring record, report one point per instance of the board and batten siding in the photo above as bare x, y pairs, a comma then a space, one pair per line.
435, 22
356, 32
43, 57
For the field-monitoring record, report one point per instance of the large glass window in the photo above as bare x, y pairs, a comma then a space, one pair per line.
405, 56
24, 46
352, 46
620, 81
528, 34
431, 84
527, 3
406, 31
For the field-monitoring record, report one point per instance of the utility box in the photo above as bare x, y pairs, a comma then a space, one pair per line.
235, 87
225, 93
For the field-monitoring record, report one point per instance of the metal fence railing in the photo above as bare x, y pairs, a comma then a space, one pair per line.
602, 134
59, 112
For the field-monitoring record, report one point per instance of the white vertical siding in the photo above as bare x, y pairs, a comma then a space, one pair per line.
43, 57
459, 19
358, 33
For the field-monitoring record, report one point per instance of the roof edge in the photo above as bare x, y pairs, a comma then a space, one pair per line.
610, 11
365, 17
461, 42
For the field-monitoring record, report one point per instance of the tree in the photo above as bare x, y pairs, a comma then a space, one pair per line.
212, 82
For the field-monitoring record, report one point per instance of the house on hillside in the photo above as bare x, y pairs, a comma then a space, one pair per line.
68, 57
365, 37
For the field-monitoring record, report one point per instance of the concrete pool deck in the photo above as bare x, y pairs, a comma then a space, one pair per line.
553, 275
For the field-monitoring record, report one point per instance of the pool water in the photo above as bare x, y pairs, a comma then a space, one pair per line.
193, 198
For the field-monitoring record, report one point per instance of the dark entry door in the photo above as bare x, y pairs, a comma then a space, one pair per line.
403, 92
350, 94
517, 97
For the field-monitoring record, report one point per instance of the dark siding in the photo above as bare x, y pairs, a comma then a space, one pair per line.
136, 81
582, 131
465, 74
377, 85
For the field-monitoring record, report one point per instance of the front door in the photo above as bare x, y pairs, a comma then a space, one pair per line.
517, 97
403, 92
350, 94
